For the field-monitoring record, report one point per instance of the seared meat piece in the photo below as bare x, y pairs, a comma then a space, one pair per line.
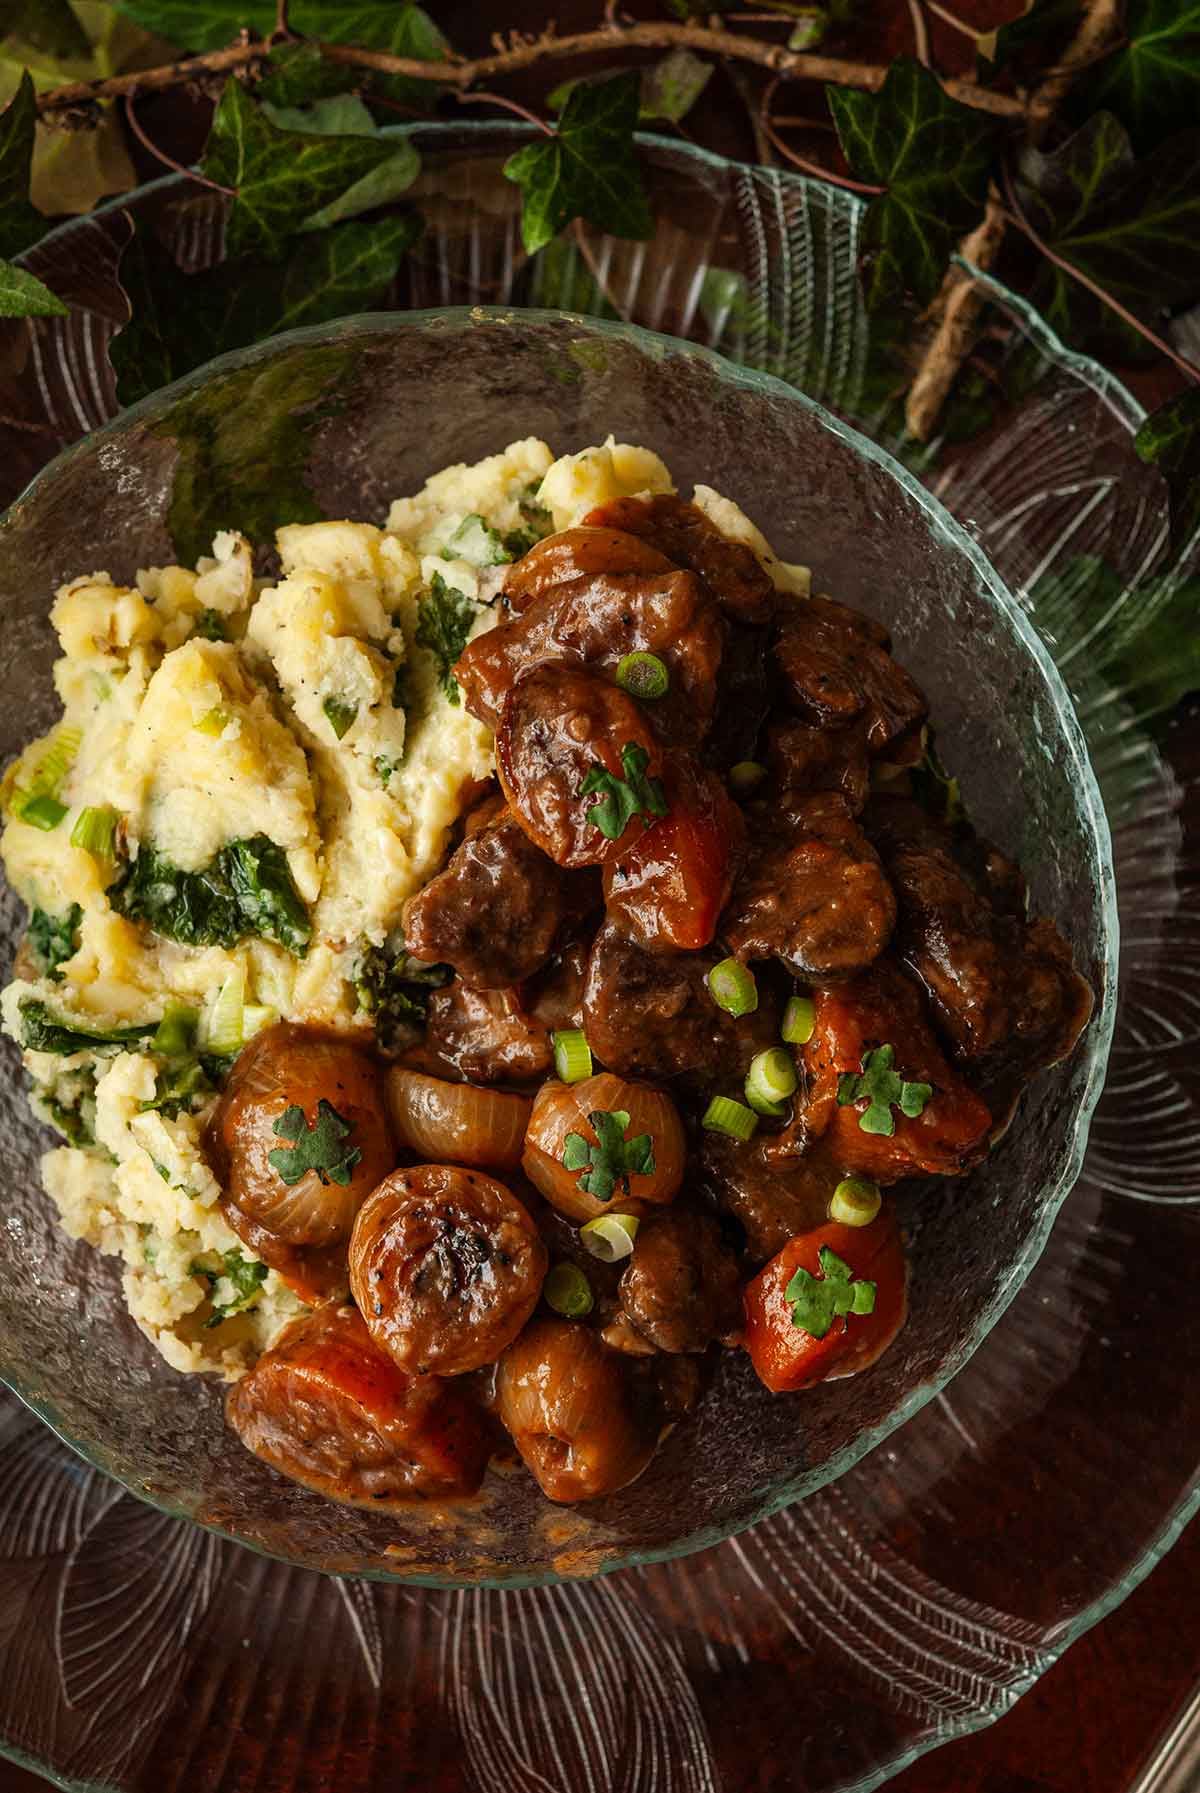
1002, 990
482, 1036
595, 621
836, 666
681, 1288
772, 1199
731, 570
493, 913
575, 554
817, 899
804, 760
555, 997
947, 1135
652, 1013
561, 725
743, 695
670, 888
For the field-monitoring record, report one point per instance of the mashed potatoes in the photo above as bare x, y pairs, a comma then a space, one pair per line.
249, 779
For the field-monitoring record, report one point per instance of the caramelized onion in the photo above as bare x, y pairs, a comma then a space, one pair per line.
560, 1108
456, 1123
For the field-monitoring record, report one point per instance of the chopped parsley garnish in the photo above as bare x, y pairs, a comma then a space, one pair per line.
210, 626
393, 987
478, 542
613, 1159
53, 938
319, 1147
817, 1301
42, 1031
247, 889
623, 798
884, 1089
444, 621
339, 715
384, 768
245, 1277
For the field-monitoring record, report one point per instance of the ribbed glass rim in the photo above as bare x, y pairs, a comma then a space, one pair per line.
1130, 413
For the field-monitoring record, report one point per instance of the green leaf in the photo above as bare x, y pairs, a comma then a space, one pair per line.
1043, 24
233, 1283
623, 798
1134, 227
444, 621
478, 542
1152, 83
283, 178
612, 1159
54, 938
49, 25
299, 73
1149, 648
319, 1147
394, 988
24, 296
934, 788
345, 115
933, 155
44, 1031
817, 1301
587, 168
1170, 440
246, 890
882, 1089
339, 715
20, 224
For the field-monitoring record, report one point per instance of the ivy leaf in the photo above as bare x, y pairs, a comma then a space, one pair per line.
20, 224
299, 73
933, 155
586, 168
623, 798
320, 1147
1133, 226
670, 88
883, 1090
1170, 440
177, 321
1044, 22
1151, 83
22, 295
282, 178
345, 115
612, 1159
817, 1301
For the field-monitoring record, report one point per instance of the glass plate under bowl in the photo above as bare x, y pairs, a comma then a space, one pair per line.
935, 1581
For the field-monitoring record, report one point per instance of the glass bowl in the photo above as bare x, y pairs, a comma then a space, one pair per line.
921, 1594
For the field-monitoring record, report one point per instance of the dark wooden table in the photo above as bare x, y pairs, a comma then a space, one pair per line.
1092, 1723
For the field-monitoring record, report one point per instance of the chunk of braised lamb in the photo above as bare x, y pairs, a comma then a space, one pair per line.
575, 554
681, 1288
836, 667
803, 760
652, 1013
731, 570
493, 912
772, 1199
482, 1036
554, 998
668, 891
563, 727
939, 1133
815, 897
1003, 990
595, 621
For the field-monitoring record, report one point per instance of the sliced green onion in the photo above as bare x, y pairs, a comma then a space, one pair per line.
214, 721
643, 675
770, 1080
733, 1118
57, 760
572, 1055
568, 1291
176, 1030
610, 1237
339, 715
855, 1202
223, 1032
732, 987
799, 1019
746, 777
95, 831
41, 810
256, 1016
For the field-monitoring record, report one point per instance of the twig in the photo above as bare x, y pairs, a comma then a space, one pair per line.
283, 31
481, 97
148, 143
790, 65
920, 31
957, 309
802, 162
1100, 23
952, 19
1016, 215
